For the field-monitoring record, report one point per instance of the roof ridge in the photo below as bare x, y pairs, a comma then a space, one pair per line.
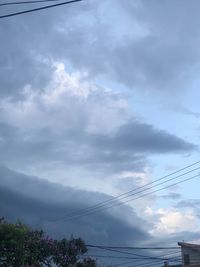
189, 244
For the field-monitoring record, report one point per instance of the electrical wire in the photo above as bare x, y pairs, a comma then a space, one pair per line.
162, 255
104, 207
27, 2
129, 193
124, 247
141, 196
112, 257
151, 263
138, 258
38, 8
146, 264
140, 261
124, 257
134, 254
155, 191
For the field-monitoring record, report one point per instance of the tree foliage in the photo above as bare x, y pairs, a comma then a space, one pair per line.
21, 246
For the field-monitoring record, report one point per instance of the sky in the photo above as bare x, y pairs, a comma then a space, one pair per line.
98, 98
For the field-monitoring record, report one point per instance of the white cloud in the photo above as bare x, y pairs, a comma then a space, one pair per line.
69, 101
172, 221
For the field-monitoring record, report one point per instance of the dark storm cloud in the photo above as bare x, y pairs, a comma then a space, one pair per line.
24, 58
137, 137
84, 36
166, 57
125, 149
21, 63
15, 146
169, 56
36, 201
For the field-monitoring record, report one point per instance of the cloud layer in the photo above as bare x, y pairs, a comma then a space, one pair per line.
75, 123
43, 204
70, 79
150, 54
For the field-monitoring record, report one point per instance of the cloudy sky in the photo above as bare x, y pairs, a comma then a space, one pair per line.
98, 98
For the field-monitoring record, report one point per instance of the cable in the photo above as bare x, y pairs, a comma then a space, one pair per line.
134, 261
139, 259
124, 257
148, 264
140, 262
129, 253
123, 263
124, 247
103, 207
144, 257
38, 8
122, 196
149, 258
27, 2
122, 203
158, 190
112, 257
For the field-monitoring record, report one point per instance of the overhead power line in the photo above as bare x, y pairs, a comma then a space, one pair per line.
112, 201
132, 248
131, 258
38, 8
111, 257
151, 263
141, 196
27, 2
128, 193
142, 260
134, 254
119, 197
139, 260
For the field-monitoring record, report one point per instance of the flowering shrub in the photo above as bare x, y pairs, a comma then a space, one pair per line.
21, 246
